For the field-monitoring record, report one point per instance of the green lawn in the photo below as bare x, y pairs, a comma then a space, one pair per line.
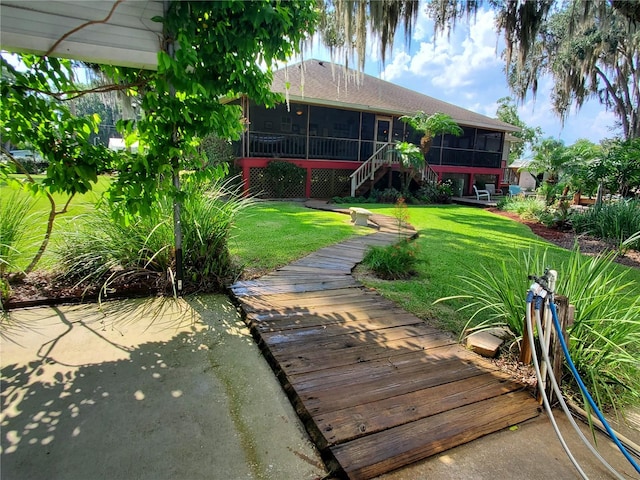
80, 204
271, 234
455, 241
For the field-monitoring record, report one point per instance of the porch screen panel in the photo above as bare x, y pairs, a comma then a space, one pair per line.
398, 131
487, 159
461, 158
433, 156
278, 132
333, 133
366, 135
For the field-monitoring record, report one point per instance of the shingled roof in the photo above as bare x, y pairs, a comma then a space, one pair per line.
321, 83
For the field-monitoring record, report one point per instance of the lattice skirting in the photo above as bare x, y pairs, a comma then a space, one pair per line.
325, 183
262, 186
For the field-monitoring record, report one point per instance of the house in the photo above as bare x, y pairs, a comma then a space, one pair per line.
339, 126
518, 175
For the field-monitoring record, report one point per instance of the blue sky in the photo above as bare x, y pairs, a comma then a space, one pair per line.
466, 69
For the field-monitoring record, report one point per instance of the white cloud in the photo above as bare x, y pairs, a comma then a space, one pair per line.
398, 66
454, 62
465, 69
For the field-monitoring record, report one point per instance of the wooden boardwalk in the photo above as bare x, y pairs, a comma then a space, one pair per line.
376, 388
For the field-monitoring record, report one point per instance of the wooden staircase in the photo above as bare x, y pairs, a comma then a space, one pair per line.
378, 165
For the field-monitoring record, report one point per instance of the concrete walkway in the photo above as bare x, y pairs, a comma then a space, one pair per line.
144, 390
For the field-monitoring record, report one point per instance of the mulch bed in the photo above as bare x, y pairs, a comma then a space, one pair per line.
588, 245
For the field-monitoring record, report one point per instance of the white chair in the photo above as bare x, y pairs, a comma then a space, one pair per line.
491, 188
481, 193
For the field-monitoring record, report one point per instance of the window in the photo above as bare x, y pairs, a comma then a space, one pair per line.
285, 124
489, 141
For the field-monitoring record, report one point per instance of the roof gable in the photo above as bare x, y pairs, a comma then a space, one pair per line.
324, 83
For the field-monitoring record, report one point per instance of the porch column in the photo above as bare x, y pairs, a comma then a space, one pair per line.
307, 187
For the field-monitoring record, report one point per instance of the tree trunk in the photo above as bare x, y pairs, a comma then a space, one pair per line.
425, 144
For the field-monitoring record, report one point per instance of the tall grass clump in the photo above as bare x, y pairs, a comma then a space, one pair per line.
614, 222
529, 208
14, 223
392, 262
102, 249
208, 219
605, 337
495, 298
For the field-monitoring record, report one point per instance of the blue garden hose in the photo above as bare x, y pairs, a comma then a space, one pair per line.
583, 388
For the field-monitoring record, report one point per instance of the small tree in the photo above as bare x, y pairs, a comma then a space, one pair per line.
411, 159
508, 113
431, 126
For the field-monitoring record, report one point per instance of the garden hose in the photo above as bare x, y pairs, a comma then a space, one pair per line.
563, 404
530, 297
585, 392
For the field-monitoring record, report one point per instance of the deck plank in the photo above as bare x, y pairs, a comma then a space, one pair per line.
363, 458
340, 426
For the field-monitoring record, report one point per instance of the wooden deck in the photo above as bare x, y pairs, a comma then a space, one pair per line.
376, 387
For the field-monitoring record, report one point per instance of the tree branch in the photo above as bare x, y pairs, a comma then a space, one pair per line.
73, 94
619, 103
80, 27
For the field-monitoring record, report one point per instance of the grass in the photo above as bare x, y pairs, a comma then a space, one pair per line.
269, 235
80, 204
455, 242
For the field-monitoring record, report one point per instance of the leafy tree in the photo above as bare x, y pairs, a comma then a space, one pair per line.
590, 48
619, 170
107, 106
508, 112
346, 26
549, 158
431, 126
411, 159
578, 171
34, 112
212, 50
596, 58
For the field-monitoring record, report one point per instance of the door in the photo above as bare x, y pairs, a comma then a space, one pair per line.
383, 131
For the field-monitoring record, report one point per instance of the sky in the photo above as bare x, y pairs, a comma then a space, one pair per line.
466, 69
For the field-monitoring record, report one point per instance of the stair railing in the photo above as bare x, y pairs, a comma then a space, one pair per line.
429, 175
366, 171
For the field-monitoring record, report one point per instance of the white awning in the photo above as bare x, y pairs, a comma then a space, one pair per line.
128, 38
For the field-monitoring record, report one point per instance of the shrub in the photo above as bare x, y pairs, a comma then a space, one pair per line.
605, 337
14, 222
614, 222
440, 193
101, 249
101, 245
209, 214
529, 208
389, 195
284, 177
392, 262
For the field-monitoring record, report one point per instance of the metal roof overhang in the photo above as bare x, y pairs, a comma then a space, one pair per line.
128, 38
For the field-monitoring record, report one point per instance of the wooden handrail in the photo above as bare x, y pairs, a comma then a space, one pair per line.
368, 169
